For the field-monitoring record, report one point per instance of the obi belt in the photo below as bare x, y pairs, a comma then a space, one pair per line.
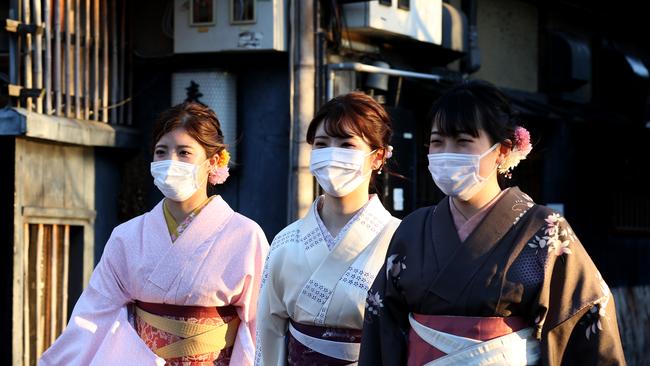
316, 345
188, 335
471, 341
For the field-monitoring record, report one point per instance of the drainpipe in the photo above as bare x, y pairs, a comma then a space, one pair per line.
302, 60
471, 63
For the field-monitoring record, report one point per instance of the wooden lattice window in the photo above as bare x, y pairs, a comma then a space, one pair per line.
631, 211
50, 249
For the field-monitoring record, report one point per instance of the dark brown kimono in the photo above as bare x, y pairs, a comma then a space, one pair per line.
522, 260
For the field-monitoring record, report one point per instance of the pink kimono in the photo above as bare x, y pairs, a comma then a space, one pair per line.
217, 261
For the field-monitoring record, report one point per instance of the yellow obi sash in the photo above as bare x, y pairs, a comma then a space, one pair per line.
196, 338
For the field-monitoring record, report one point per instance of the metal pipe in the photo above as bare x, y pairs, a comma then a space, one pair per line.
359, 67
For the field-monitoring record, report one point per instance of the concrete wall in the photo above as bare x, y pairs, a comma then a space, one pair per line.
508, 40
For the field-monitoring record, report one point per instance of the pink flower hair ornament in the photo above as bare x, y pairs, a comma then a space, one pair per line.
389, 152
220, 173
520, 149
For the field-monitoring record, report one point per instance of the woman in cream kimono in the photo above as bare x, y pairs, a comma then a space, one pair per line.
177, 285
320, 267
486, 277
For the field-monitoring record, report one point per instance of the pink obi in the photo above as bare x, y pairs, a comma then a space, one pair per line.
480, 328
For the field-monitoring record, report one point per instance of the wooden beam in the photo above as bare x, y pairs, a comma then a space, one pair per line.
55, 316
64, 286
11, 25
28, 52
40, 318
105, 50
69, 82
77, 59
38, 53
96, 39
87, 45
122, 69
57, 57
61, 213
114, 64
46, 270
26, 313
47, 101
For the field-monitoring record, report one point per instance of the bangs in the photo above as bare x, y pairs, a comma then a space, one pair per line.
342, 127
457, 113
341, 122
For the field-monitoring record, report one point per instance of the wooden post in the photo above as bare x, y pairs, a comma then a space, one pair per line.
38, 54
77, 59
40, 318
105, 65
64, 287
122, 69
28, 51
46, 270
57, 57
69, 82
129, 106
54, 285
87, 62
26, 318
95, 60
47, 102
114, 65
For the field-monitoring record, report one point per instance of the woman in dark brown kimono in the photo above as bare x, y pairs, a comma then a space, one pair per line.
486, 277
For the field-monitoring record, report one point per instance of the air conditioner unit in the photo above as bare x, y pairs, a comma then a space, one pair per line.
417, 19
217, 90
229, 25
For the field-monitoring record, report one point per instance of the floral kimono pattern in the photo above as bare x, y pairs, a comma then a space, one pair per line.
522, 260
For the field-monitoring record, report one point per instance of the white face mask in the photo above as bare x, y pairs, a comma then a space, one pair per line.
339, 171
176, 180
457, 175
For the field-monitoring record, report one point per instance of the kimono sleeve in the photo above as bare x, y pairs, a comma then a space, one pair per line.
244, 348
99, 314
385, 326
272, 315
577, 315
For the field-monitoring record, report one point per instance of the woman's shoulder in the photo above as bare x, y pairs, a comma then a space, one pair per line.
289, 234
417, 217
247, 227
128, 227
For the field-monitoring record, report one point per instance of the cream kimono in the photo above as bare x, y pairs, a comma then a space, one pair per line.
215, 262
306, 283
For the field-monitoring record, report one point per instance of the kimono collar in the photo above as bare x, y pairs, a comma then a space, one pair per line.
459, 261
211, 220
369, 221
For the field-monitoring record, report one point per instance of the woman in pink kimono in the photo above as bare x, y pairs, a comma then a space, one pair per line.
177, 285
